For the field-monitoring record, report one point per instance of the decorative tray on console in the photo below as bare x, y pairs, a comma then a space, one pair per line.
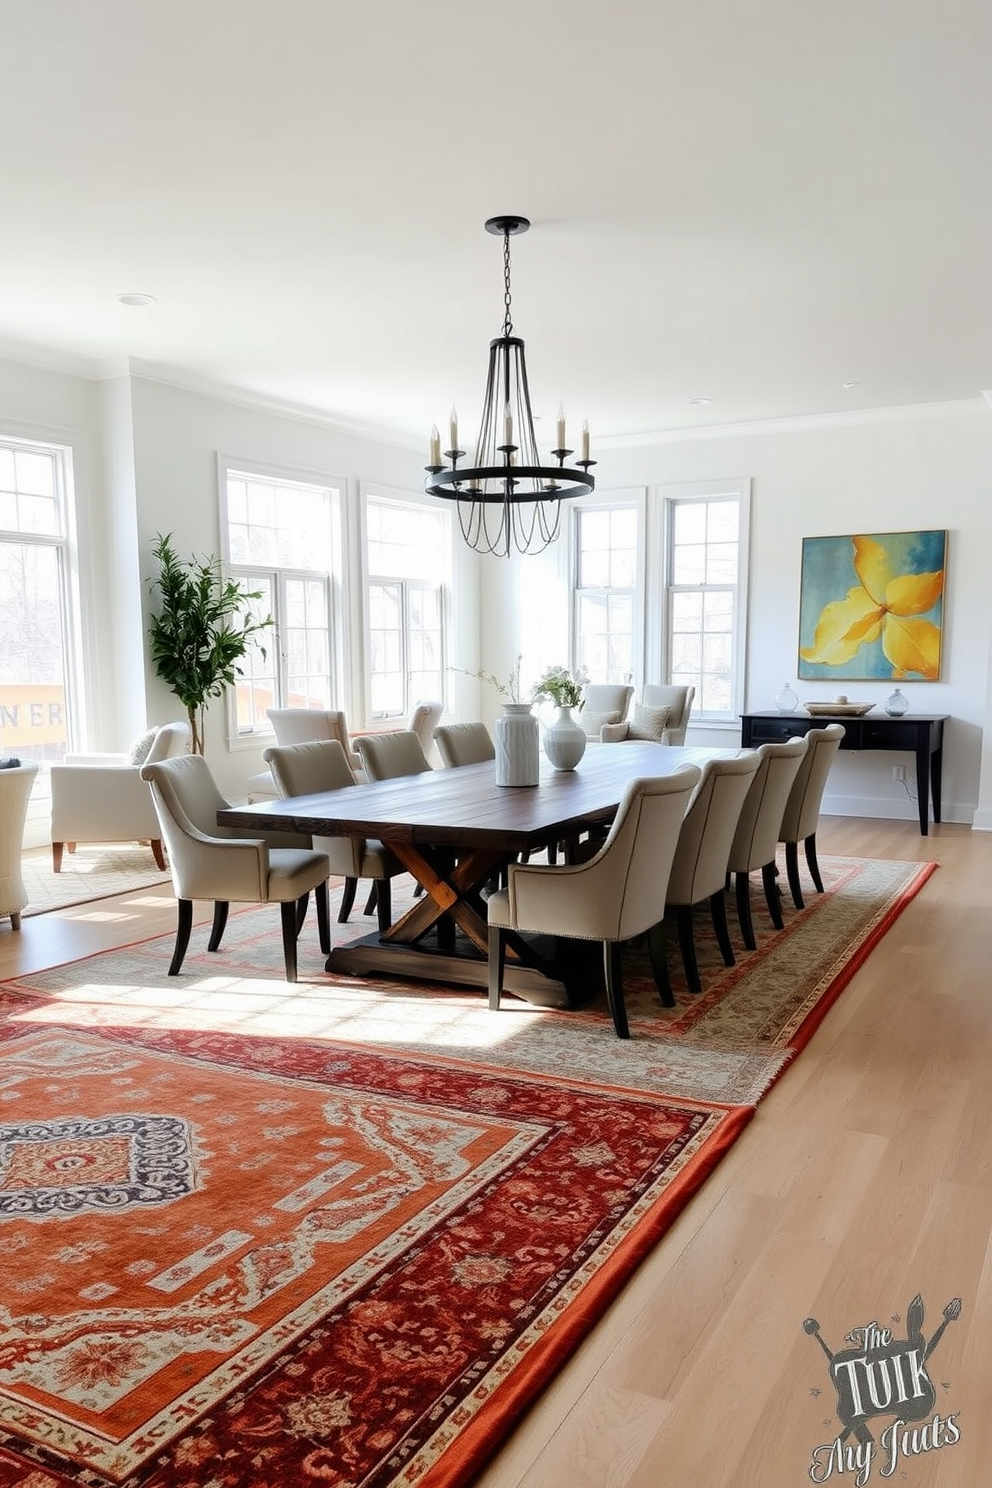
838, 710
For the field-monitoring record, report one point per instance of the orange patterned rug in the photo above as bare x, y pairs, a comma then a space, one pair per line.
343, 1233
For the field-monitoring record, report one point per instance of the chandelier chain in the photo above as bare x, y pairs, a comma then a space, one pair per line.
507, 321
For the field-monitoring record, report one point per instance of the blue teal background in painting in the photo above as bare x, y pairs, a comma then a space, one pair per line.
828, 573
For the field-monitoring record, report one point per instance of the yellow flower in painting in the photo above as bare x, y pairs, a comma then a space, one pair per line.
884, 604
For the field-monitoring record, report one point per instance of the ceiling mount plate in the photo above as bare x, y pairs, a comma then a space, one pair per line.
508, 223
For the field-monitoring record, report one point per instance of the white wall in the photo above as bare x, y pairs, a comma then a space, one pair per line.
922, 468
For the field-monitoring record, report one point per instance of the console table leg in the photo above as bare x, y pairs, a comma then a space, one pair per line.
936, 767
923, 791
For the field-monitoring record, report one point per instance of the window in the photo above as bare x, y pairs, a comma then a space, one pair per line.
705, 563
408, 552
35, 482
282, 540
606, 568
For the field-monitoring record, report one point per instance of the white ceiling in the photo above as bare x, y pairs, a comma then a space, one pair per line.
754, 201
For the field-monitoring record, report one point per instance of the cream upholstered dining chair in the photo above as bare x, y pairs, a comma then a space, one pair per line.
386, 756
661, 715
303, 726
603, 703
612, 897
756, 838
16, 782
102, 797
464, 744
802, 810
699, 871
423, 721
306, 770
209, 861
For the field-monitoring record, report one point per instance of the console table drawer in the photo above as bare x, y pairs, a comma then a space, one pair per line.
775, 730
883, 735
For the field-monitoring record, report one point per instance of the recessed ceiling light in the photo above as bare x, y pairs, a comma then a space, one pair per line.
850, 384
699, 402
136, 299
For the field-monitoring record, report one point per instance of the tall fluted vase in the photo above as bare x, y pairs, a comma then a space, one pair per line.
564, 741
518, 754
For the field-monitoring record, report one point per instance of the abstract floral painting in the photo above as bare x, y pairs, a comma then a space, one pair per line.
871, 607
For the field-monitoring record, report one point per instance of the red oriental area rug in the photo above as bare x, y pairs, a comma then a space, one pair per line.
343, 1233
233, 1261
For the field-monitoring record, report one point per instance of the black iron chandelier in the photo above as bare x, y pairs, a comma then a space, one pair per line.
507, 498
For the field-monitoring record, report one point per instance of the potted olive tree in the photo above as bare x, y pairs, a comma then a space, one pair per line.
203, 629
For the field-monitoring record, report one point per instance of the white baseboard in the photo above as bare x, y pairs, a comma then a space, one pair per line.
983, 819
887, 809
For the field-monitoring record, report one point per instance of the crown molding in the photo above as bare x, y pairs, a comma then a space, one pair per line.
803, 423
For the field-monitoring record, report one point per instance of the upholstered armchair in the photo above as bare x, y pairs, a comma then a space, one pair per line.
603, 703
423, 720
802, 809
303, 726
386, 756
661, 716
208, 861
102, 797
612, 897
308, 769
15, 792
699, 870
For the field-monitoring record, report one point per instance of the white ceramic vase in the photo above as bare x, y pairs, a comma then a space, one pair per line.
564, 741
518, 754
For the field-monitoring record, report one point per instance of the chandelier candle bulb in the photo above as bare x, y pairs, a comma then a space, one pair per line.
453, 430
508, 427
435, 453
561, 427
585, 440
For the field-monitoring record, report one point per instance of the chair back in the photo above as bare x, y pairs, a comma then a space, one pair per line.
186, 801
621, 891
423, 721
604, 702
386, 756
464, 744
757, 832
703, 852
307, 769
678, 701
304, 725
172, 739
802, 809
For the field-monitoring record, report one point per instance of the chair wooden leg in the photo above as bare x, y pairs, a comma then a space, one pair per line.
792, 871
383, 904
497, 963
347, 900
302, 905
718, 913
15, 919
291, 920
687, 945
659, 966
812, 864
220, 922
323, 918
773, 896
613, 974
373, 899
183, 928
742, 893
158, 854
57, 848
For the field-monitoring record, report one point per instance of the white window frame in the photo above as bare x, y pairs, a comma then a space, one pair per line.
625, 497
386, 496
332, 578
64, 547
668, 496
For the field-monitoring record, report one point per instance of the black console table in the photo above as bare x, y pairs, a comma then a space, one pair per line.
921, 734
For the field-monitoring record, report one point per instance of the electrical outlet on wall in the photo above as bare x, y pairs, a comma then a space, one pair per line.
898, 772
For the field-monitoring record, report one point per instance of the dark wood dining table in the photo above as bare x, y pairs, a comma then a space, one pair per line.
453, 829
